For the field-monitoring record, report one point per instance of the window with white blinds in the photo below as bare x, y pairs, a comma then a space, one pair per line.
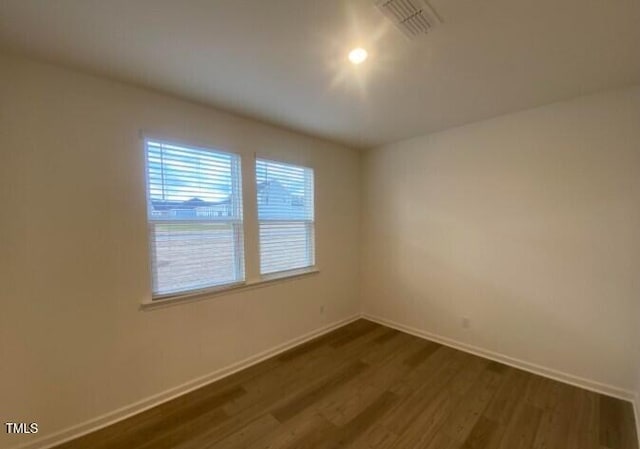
285, 216
194, 218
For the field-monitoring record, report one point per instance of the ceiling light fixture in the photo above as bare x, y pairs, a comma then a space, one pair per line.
358, 55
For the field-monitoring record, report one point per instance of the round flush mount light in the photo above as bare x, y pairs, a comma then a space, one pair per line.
358, 55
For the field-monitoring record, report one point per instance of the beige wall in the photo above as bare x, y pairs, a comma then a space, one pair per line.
527, 224
73, 262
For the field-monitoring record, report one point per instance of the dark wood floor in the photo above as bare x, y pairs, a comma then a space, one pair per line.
367, 386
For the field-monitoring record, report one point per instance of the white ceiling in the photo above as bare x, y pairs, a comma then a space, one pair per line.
284, 61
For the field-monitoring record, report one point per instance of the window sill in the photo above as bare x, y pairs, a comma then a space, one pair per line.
264, 281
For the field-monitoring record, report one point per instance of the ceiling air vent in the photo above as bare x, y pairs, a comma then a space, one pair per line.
412, 17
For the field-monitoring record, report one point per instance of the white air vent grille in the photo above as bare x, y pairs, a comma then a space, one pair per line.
412, 17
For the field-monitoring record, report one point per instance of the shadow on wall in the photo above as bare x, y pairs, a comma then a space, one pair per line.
510, 284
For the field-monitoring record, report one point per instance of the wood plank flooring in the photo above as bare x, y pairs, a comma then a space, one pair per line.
368, 386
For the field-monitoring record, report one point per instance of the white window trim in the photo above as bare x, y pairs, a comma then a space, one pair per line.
205, 294
241, 263
314, 261
251, 254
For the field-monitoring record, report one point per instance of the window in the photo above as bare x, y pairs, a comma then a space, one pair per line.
285, 216
194, 217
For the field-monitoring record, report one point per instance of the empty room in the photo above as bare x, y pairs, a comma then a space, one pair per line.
319, 224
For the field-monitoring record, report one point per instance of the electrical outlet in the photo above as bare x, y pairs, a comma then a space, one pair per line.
321, 310
466, 323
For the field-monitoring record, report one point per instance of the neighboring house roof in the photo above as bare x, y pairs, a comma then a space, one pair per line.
191, 203
271, 184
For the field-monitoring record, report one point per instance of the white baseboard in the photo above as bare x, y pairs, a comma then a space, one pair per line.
125, 412
560, 376
118, 415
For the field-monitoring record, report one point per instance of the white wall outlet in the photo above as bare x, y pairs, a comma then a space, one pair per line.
466, 323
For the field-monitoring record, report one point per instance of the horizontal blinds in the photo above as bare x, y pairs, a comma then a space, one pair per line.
195, 256
192, 183
285, 215
285, 246
195, 218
